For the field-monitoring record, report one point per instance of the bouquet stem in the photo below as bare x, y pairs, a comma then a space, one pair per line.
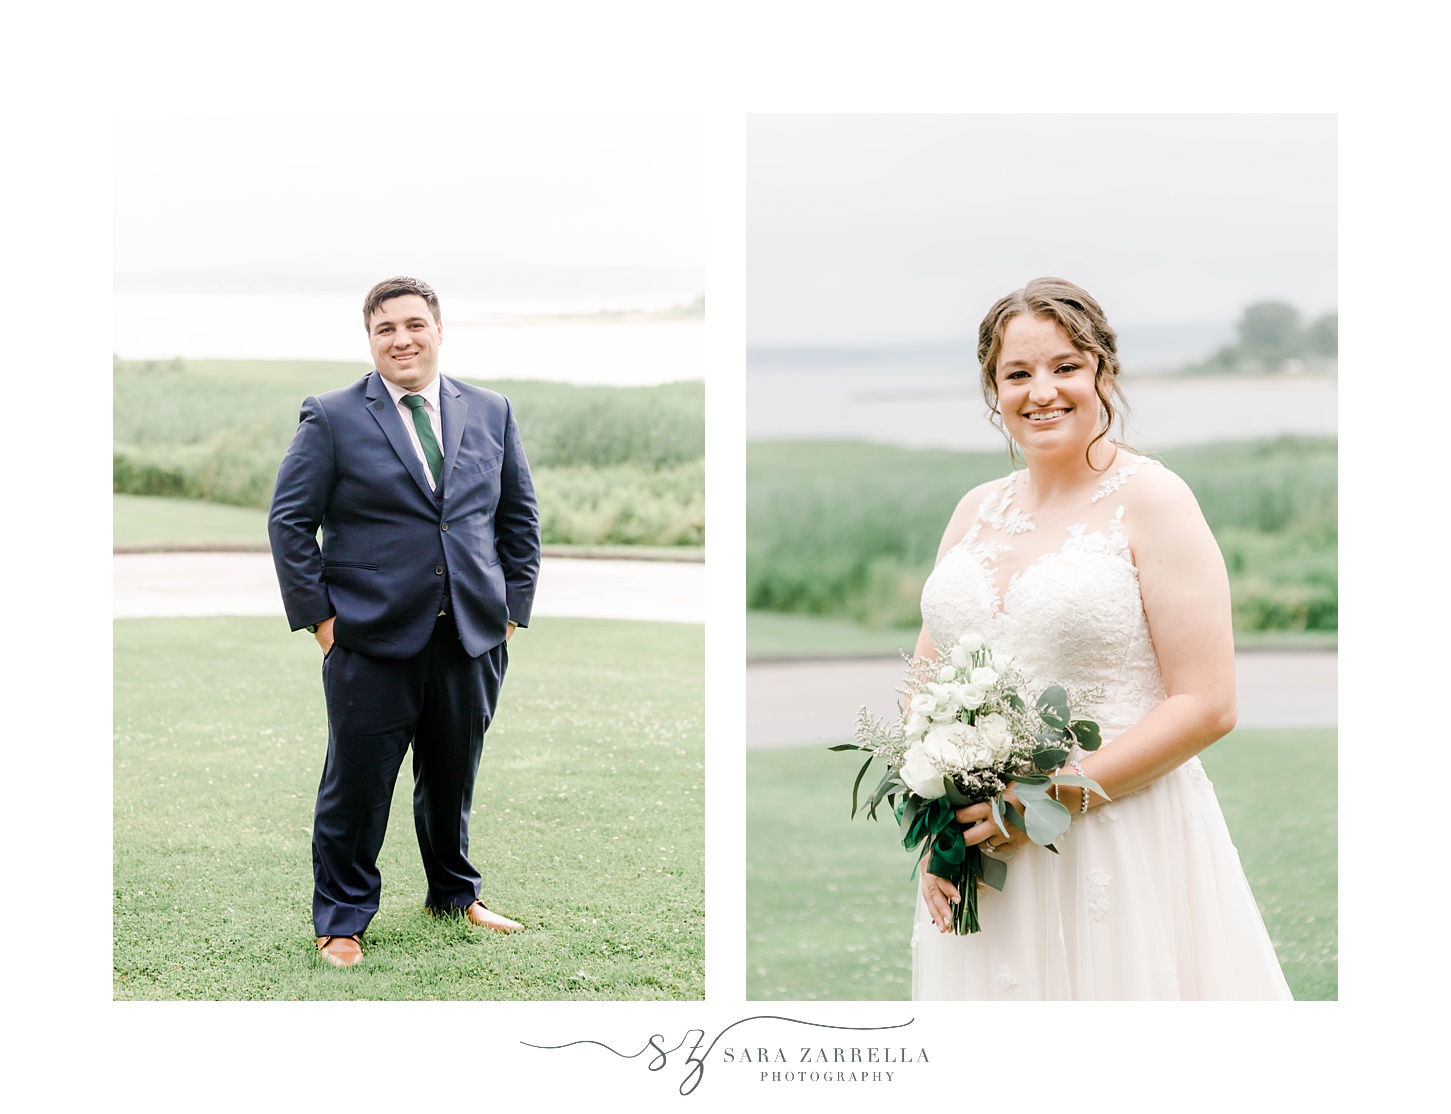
965, 875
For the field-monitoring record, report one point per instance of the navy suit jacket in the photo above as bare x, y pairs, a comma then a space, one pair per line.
389, 543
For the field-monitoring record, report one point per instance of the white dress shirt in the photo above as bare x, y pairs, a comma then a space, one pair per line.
429, 394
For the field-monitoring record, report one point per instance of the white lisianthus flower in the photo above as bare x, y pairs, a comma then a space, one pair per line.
960, 656
921, 774
923, 703
917, 724
969, 695
995, 733
947, 674
945, 705
971, 640
984, 677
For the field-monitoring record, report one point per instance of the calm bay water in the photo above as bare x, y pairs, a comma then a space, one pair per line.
477, 343
935, 404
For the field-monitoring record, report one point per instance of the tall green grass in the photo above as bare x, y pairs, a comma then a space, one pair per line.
851, 530
618, 465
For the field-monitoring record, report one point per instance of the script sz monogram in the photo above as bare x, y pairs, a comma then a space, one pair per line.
695, 1058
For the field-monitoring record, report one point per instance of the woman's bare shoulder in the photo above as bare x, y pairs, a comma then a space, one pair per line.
1161, 514
1153, 488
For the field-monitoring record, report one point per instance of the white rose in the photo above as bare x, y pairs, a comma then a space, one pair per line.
947, 674
957, 746
921, 775
939, 746
969, 695
984, 677
977, 750
995, 733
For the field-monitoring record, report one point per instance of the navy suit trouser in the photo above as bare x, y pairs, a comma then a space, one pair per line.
441, 701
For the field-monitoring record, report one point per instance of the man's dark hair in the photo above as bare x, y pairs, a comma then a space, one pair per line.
392, 288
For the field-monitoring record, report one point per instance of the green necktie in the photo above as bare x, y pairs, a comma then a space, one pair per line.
426, 438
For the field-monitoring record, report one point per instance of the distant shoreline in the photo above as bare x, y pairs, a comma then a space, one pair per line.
622, 317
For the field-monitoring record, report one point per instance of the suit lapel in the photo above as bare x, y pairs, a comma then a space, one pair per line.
453, 410
385, 412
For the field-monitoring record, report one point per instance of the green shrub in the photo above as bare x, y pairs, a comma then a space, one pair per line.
614, 465
623, 505
851, 530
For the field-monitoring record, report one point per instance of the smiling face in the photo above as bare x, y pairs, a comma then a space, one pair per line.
404, 338
1045, 387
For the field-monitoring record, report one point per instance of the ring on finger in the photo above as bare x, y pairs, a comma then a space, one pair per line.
988, 847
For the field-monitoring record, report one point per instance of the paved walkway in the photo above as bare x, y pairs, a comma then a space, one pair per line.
192, 584
795, 703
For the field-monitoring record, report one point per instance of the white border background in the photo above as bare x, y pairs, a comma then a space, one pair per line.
76, 1045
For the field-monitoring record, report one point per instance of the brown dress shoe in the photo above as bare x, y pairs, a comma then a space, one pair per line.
480, 914
340, 951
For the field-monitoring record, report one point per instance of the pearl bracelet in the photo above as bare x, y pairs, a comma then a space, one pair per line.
1083, 807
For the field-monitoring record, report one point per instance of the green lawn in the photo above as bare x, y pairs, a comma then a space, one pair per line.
588, 824
156, 522
781, 634
829, 899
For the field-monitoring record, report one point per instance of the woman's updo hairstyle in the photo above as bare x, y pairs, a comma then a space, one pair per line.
1078, 315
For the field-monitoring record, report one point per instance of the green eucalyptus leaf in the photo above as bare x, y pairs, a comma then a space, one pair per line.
1047, 820
997, 804
1052, 737
955, 795
1015, 818
1016, 702
848, 746
1082, 782
1053, 706
1049, 758
994, 872
1086, 734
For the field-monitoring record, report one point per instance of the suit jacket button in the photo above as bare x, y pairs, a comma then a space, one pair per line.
445, 526
438, 569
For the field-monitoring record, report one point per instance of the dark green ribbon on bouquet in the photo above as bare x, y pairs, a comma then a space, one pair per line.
935, 822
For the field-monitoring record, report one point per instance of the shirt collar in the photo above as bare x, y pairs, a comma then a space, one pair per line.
429, 393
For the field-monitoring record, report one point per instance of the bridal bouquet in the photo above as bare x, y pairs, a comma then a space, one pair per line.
968, 734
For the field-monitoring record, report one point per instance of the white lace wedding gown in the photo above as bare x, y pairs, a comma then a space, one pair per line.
1147, 898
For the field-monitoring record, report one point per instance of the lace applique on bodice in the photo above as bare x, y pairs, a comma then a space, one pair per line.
1071, 612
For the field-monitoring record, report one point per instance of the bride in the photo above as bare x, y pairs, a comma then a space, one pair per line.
1094, 566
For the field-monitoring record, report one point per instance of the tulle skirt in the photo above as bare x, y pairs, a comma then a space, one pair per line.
1146, 900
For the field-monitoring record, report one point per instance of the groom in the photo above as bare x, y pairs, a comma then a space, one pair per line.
429, 556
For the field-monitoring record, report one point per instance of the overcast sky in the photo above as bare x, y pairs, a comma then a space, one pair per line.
874, 229
577, 209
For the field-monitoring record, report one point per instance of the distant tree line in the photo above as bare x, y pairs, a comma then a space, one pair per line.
1274, 337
